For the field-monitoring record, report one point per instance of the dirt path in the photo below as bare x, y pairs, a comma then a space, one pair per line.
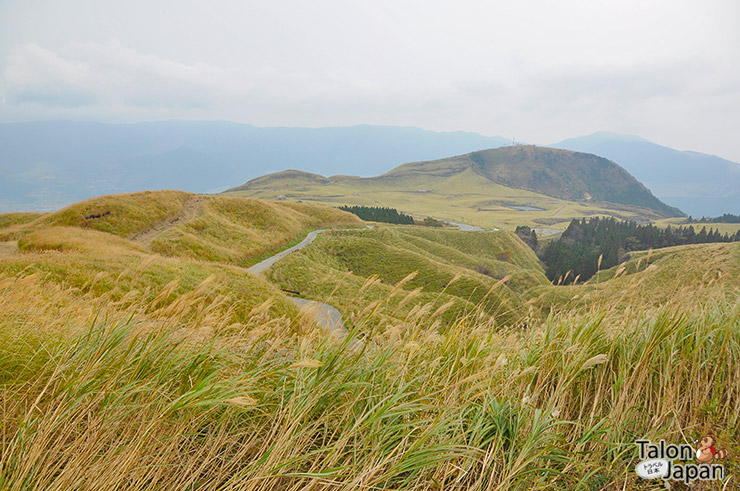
189, 211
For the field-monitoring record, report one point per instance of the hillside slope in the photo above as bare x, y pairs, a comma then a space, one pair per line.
166, 253
122, 368
699, 184
502, 188
237, 231
398, 270
572, 176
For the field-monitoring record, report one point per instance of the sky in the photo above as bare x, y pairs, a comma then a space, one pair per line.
538, 71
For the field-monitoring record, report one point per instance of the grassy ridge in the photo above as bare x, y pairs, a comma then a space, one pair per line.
18, 218
488, 273
239, 231
122, 215
121, 368
85, 247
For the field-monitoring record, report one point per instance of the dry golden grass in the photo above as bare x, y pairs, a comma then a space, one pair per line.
241, 231
157, 401
124, 369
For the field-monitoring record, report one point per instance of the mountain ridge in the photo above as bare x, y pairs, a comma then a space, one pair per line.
558, 173
698, 183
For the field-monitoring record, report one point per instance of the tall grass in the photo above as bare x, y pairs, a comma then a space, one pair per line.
131, 398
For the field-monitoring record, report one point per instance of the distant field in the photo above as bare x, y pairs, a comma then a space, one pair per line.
464, 197
724, 228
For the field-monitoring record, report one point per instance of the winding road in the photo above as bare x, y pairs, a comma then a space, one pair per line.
263, 266
326, 316
462, 226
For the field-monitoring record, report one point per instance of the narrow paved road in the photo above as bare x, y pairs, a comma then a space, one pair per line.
326, 316
462, 226
329, 317
263, 266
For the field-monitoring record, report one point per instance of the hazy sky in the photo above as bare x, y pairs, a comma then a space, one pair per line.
535, 70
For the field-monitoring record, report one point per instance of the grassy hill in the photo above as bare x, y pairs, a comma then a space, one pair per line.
396, 270
563, 174
699, 184
153, 249
502, 188
174, 223
122, 367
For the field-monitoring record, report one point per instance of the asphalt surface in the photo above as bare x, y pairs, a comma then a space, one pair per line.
263, 266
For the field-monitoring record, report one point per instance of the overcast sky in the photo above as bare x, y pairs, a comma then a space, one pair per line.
535, 70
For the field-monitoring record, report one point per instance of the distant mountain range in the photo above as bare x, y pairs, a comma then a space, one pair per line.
697, 183
47, 165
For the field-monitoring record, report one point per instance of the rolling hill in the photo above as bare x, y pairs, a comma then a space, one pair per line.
506, 186
136, 352
484, 274
47, 165
571, 176
697, 183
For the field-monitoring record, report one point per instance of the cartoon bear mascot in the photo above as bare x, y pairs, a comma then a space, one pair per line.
706, 453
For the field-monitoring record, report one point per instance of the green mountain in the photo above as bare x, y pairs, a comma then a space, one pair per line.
699, 184
563, 174
501, 187
46, 165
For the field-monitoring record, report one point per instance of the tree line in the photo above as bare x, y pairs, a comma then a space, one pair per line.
379, 214
586, 240
726, 218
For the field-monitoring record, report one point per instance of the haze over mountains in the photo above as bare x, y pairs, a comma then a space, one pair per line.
697, 183
48, 165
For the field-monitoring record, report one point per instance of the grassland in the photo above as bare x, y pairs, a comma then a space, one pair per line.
557, 406
724, 228
489, 274
91, 248
124, 366
464, 197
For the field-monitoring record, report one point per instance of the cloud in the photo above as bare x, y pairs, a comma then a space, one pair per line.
109, 73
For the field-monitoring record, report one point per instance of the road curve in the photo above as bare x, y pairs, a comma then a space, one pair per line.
326, 316
462, 226
263, 266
